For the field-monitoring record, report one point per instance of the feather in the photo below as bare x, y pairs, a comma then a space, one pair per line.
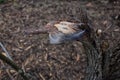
60, 32
66, 27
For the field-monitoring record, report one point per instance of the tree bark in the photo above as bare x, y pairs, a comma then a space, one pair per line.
94, 69
102, 65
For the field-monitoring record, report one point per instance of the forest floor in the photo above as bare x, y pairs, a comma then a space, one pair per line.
34, 53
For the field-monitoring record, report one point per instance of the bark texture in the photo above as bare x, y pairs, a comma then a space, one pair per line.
103, 63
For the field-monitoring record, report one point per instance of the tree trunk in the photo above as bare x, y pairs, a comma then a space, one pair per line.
102, 65
94, 69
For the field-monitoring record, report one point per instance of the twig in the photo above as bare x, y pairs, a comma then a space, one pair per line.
7, 54
14, 66
41, 76
8, 72
37, 31
108, 27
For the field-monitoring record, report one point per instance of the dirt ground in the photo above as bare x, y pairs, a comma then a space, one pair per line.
34, 53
